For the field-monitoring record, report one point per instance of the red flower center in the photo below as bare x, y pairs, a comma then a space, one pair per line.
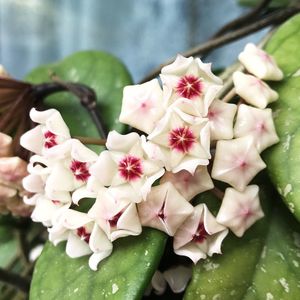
83, 234
189, 87
114, 220
50, 139
130, 168
80, 170
56, 202
161, 213
181, 139
200, 235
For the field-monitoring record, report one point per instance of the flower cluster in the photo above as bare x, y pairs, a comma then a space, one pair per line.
12, 171
190, 137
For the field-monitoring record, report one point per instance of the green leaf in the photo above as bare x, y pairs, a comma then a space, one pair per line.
100, 71
127, 272
124, 275
273, 4
263, 264
283, 159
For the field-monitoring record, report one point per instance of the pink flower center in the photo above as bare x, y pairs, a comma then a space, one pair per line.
114, 220
130, 168
246, 213
80, 170
189, 87
181, 139
55, 202
50, 139
83, 234
242, 164
261, 127
161, 213
200, 235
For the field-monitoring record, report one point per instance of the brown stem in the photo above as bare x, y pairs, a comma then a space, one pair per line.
270, 19
246, 18
229, 96
21, 283
90, 140
218, 193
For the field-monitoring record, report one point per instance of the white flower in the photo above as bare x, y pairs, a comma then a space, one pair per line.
142, 105
183, 142
165, 209
239, 210
191, 82
200, 235
178, 277
83, 237
253, 90
158, 283
220, 116
189, 185
237, 162
126, 166
47, 210
115, 214
258, 123
259, 63
50, 132
70, 170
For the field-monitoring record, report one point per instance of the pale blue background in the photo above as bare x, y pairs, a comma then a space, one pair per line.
142, 33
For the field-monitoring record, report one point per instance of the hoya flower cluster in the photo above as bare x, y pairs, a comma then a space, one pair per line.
190, 138
12, 171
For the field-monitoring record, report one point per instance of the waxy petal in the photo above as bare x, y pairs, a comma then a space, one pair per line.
178, 277
253, 90
164, 209
221, 115
189, 185
200, 235
237, 162
190, 80
142, 105
259, 63
240, 210
257, 123
53, 121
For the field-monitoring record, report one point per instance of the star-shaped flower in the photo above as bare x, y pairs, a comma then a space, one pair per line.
237, 162
125, 165
200, 235
257, 123
83, 237
259, 63
47, 210
220, 116
51, 131
115, 214
253, 90
191, 82
165, 209
142, 105
183, 142
70, 170
240, 210
189, 185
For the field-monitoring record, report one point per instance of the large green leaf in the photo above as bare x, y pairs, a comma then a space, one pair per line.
127, 272
263, 264
283, 159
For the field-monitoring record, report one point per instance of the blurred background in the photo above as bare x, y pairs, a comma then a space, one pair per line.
142, 34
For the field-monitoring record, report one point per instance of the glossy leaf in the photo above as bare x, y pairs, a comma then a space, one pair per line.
283, 159
127, 272
124, 275
263, 264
